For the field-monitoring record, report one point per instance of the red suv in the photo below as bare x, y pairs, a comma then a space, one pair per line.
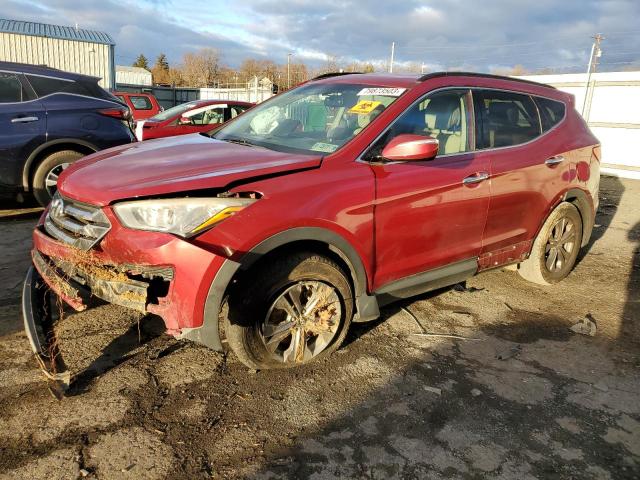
142, 105
276, 231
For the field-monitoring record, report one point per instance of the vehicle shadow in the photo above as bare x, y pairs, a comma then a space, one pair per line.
119, 350
611, 191
630, 327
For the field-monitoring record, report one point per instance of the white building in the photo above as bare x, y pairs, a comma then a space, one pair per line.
612, 110
67, 48
133, 76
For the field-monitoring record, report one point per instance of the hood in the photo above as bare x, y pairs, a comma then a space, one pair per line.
168, 165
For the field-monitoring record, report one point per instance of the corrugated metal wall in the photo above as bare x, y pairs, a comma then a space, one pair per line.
69, 55
135, 77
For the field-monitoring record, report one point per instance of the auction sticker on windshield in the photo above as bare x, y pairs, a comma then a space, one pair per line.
364, 107
383, 91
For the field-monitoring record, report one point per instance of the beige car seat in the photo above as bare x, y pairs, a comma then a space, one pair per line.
444, 122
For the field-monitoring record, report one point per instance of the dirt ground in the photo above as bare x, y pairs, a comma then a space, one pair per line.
389, 404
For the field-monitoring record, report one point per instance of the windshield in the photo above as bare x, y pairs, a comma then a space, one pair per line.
173, 111
310, 119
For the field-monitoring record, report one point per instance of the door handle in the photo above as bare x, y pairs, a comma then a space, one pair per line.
554, 160
475, 178
24, 119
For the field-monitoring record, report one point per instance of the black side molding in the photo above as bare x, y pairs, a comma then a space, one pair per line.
427, 281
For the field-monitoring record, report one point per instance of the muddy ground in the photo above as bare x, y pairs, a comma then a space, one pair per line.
388, 404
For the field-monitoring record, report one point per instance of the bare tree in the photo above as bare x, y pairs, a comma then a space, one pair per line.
200, 69
515, 70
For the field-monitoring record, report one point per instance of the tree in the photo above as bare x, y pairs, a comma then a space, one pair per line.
160, 70
200, 69
513, 71
162, 62
141, 62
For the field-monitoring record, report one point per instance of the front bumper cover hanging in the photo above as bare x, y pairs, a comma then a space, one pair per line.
37, 313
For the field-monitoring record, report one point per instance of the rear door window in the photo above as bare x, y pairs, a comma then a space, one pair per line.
11, 90
551, 112
140, 102
504, 119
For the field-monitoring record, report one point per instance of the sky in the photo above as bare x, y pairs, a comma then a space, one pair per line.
479, 35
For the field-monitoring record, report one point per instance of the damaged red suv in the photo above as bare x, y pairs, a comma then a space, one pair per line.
276, 231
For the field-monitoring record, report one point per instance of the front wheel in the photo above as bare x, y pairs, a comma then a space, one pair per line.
556, 247
290, 312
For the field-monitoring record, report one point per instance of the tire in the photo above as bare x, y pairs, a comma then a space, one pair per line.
262, 325
48, 171
551, 261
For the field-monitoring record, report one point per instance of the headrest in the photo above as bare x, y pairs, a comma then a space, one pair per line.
443, 108
503, 112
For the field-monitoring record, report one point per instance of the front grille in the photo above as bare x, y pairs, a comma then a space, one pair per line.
76, 224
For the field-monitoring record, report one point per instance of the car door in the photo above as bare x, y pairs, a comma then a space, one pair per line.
430, 214
528, 171
22, 126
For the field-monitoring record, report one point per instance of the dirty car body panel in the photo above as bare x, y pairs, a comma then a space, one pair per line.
399, 228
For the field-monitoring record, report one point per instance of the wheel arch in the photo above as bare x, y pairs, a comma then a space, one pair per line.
366, 306
582, 201
48, 148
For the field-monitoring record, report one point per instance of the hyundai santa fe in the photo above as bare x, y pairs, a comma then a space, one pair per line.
276, 231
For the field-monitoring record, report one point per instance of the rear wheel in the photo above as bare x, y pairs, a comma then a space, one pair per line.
290, 312
45, 178
556, 247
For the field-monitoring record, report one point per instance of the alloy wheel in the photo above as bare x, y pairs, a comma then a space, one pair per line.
302, 321
51, 180
560, 244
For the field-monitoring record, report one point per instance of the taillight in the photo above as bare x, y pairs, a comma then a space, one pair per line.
119, 113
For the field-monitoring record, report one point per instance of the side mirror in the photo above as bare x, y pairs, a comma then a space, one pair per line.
184, 121
407, 148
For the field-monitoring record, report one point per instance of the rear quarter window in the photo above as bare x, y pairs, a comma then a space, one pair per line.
140, 102
44, 86
551, 112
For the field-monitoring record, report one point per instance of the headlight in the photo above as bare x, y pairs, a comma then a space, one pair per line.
181, 216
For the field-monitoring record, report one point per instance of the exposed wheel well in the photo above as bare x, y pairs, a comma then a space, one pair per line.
33, 162
313, 246
579, 200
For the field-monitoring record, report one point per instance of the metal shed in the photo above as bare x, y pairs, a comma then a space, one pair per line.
133, 76
67, 48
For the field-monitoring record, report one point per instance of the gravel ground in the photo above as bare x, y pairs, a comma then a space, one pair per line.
519, 397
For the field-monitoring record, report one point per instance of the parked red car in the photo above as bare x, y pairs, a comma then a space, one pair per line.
192, 117
318, 206
142, 105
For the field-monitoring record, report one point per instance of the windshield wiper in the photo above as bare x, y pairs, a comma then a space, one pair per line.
239, 141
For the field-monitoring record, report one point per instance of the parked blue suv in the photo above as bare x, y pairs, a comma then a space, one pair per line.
48, 120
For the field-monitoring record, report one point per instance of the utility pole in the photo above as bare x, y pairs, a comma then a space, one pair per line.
289, 70
596, 53
393, 51
422, 68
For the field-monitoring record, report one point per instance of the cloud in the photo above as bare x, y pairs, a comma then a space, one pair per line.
447, 33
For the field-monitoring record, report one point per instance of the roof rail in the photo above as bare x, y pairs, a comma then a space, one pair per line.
334, 74
429, 76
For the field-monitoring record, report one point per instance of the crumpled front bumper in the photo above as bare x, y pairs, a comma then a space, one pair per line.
146, 271
38, 325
